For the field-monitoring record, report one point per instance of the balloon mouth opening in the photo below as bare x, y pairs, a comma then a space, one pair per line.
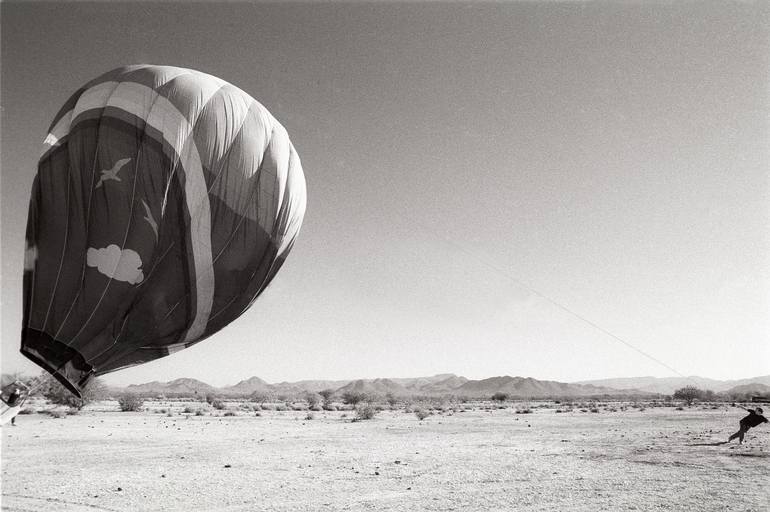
64, 363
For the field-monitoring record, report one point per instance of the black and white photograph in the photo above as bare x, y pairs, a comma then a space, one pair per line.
375, 255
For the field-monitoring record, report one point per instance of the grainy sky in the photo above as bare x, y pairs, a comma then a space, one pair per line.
613, 157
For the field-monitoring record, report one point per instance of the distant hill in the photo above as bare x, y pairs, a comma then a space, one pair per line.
374, 387
180, 387
444, 386
749, 389
667, 385
315, 385
421, 384
527, 387
247, 387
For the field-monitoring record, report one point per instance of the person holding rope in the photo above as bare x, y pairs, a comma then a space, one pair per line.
14, 398
753, 419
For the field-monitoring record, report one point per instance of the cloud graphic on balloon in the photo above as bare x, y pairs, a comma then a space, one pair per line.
125, 265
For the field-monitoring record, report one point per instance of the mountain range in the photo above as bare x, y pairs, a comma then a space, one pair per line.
444, 384
451, 384
667, 385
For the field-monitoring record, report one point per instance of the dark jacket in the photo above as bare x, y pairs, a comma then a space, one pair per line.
753, 419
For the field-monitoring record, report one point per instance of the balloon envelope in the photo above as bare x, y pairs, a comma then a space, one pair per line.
165, 201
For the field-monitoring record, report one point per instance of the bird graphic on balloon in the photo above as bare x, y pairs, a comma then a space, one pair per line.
112, 174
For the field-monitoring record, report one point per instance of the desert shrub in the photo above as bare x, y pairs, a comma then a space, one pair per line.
326, 396
27, 410
210, 398
299, 407
57, 413
421, 413
594, 409
310, 416
312, 399
316, 408
57, 394
281, 407
72, 411
260, 397
199, 412
257, 413
524, 411
500, 397
230, 413
353, 397
217, 404
162, 411
689, 394
391, 399
680, 408
329, 407
187, 410
170, 414
267, 407
365, 412
129, 402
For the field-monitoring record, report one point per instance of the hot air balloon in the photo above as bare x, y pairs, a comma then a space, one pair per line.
165, 202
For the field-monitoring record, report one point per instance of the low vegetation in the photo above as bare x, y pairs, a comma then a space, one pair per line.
365, 412
354, 397
690, 394
130, 403
500, 397
53, 391
312, 399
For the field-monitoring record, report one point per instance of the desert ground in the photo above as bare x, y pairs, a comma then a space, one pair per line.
484, 458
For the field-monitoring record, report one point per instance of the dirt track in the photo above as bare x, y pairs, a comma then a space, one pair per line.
658, 459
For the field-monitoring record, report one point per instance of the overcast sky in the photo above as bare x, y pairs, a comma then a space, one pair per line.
613, 157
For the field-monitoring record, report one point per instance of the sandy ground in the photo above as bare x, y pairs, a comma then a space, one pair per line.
657, 459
